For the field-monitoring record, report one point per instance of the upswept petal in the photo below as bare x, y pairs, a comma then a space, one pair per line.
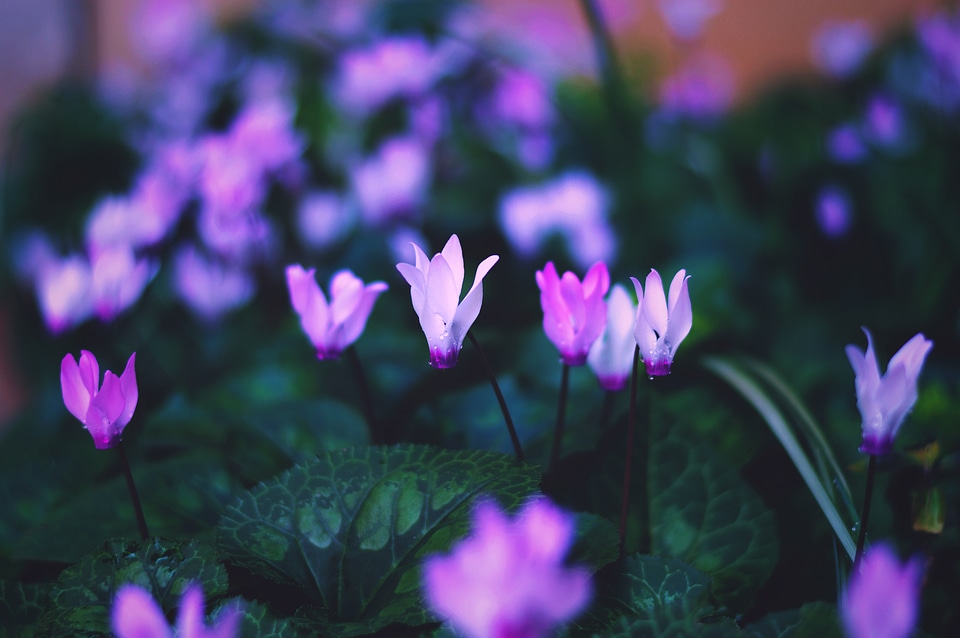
655, 304
675, 290
443, 295
89, 371
680, 320
547, 529
469, 308
596, 282
190, 622
912, 355
643, 332
354, 325
418, 285
611, 356
136, 615
572, 299
131, 393
345, 292
76, 396
309, 302
453, 254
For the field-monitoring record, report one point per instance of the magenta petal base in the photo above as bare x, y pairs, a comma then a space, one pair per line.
443, 359
658, 368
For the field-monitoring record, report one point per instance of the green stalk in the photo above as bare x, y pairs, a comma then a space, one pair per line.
503, 402
132, 488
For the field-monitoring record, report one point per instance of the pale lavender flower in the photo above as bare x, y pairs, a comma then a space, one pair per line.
263, 131
884, 121
662, 326
334, 326
832, 212
838, 48
63, 292
210, 288
139, 219
167, 31
687, 19
136, 614
845, 144
118, 279
884, 402
508, 578
701, 89
103, 411
611, 356
435, 286
392, 185
882, 599
231, 179
392, 67
323, 218
574, 313
239, 237
521, 97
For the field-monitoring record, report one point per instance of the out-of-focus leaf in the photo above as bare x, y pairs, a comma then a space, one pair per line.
20, 608
816, 620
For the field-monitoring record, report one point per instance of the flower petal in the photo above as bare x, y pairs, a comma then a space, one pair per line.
136, 615
131, 394
354, 324
655, 304
418, 285
75, 394
681, 314
89, 371
346, 289
453, 255
469, 308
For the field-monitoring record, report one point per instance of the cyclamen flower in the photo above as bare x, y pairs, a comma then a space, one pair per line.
332, 327
136, 615
63, 292
661, 328
885, 401
508, 579
882, 597
574, 314
435, 286
104, 411
611, 357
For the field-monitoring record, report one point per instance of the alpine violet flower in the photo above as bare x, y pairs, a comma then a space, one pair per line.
660, 327
885, 401
508, 578
63, 292
332, 327
435, 286
136, 615
611, 357
104, 411
881, 600
574, 313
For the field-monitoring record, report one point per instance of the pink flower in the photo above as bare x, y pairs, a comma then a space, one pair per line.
63, 291
881, 600
209, 287
574, 314
885, 401
661, 328
332, 327
118, 280
104, 411
508, 579
611, 356
136, 615
435, 286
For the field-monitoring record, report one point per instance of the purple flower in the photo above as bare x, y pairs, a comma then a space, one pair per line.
264, 132
884, 121
839, 48
210, 288
332, 327
435, 286
885, 401
508, 579
660, 327
106, 410
833, 212
701, 89
393, 67
882, 597
392, 185
63, 291
611, 356
118, 280
522, 98
845, 145
687, 19
323, 219
574, 314
136, 615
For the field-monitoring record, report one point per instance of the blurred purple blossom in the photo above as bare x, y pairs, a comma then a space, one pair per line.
63, 292
428, 118
142, 218
209, 287
118, 279
31, 251
882, 599
264, 131
838, 48
884, 122
391, 185
687, 19
240, 238
508, 578
940, 36
167, 31
103, 410
231, 178
323, 219
310, 20
833, 212
522, 98
845, 144
701, 89
573, 205
611, 356
136, 614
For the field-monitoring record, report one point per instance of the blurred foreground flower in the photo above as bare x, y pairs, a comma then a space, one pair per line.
508, 578
611, 357
574, 313
881, 600
435, 286
104, 411
332, 327
885, 401
660, 327
136, 615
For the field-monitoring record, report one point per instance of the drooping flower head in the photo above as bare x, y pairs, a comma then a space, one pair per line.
574, 313
611, 357
661, 327
508, 578
332, 327
882, 597
106, 410
136, 615
435, 286
885, 401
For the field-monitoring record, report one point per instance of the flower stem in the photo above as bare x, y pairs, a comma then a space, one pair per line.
606, 411
865, 515
625, 501
561, 416
366, 400
503, 403
132, 488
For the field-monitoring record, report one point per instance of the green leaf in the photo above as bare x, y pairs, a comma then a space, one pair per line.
352, 527
20, 607
596, 543
814, 620
257, 622
81, 599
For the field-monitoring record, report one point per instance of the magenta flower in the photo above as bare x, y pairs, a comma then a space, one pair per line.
332, 327
885, 401
435, 286
882, 597
136, 615
660, 327
611, 357
508, 579
104, 411
574, 314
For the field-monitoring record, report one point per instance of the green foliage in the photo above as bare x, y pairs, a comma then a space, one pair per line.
815, 620
352, 527
20, 608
